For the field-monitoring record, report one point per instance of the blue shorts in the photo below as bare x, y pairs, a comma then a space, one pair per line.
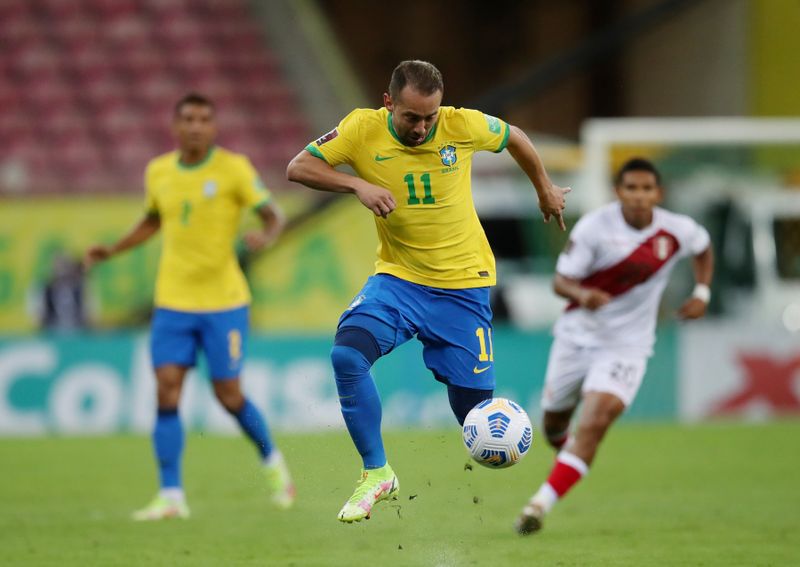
222, 335
453, 325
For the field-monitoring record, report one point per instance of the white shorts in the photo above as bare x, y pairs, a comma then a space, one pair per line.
573, 370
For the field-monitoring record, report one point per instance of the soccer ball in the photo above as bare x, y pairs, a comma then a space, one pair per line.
497, 433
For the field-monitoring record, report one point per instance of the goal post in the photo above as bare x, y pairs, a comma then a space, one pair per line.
600, 136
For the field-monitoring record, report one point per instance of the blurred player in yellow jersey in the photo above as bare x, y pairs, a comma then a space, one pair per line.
435, 267
196, 195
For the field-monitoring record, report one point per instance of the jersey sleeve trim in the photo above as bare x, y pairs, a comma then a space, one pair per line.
315, 152
504, 142
262, 202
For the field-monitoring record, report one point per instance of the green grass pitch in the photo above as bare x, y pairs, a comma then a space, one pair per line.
716, 494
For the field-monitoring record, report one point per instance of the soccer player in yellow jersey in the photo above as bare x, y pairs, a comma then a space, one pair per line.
196, 195
434, 269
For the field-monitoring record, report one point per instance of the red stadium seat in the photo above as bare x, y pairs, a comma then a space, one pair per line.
128, 35
166, 9
58, 10
16, 134
87, 87
226, 10
12, 11
10, 97
110, 10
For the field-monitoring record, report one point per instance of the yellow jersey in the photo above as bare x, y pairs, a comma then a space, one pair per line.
200, 208
433, 237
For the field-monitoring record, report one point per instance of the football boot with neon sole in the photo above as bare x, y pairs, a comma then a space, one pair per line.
161, 508
279, 482
373, 486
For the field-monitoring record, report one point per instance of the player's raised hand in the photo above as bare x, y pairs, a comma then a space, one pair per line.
377, 199
692, 308
254, 240
96, 254
592, 298
552, 202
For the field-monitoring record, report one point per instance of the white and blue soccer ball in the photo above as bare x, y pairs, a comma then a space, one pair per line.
497, 433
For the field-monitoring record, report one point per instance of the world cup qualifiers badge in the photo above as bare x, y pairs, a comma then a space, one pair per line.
327, 137
448, 155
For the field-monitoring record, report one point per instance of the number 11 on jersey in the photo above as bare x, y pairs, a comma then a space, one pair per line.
482, 333
428, 199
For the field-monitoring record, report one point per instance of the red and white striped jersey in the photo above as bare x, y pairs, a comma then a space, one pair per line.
632, 265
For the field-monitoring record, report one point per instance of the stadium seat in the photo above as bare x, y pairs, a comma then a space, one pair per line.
59, 11
110, 10
89, 87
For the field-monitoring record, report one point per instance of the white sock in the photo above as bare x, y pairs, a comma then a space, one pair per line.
546, 497
574, 461
273, 458
174, 493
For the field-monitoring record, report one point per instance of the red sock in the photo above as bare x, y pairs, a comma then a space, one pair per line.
568, 470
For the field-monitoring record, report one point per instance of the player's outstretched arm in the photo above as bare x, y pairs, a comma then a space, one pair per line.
551, 197
273, 221
587, 297
143, 230
703, 266
317, 174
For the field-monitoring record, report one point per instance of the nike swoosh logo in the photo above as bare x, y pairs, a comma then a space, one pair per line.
383, 158
477, 370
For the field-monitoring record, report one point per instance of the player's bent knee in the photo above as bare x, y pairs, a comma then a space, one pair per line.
347, 362
354, 351
168, 396
231, 402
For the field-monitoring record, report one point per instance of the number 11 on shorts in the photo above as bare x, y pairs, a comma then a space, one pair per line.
482, 334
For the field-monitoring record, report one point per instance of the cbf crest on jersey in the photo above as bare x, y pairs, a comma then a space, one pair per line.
663, 247
210, 188
448, 155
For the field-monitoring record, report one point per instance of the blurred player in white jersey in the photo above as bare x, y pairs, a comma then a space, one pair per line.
613, 271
